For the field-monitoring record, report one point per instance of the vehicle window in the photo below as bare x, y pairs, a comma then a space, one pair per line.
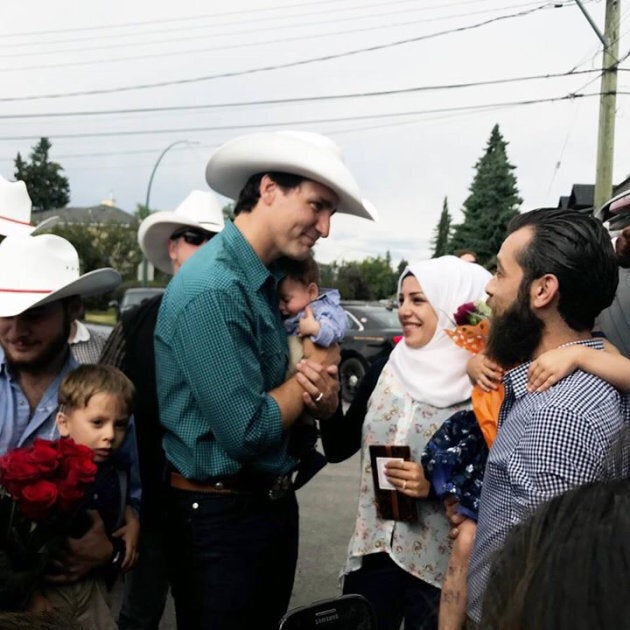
137, 297
351, 322
385, 317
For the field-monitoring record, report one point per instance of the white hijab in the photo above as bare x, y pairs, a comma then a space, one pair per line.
436, 373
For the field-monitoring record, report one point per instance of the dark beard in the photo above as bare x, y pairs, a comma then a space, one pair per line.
52, 351
514, 335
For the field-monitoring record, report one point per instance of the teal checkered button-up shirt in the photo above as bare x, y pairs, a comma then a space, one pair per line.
220, 346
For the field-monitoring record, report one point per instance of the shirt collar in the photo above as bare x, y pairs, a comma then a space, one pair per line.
255, 271
517, 377
82, 333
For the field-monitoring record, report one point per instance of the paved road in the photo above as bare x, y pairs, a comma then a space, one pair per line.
327, 510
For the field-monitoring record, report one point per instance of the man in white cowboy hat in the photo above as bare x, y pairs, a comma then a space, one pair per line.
40, 291
221, 357
15, 220
167, 239
15, 210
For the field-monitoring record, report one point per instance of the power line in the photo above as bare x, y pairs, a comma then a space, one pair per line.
285, 123
292, 64
282, 101
205, 49
196, 18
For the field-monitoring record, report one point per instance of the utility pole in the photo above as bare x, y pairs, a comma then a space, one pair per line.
607, 101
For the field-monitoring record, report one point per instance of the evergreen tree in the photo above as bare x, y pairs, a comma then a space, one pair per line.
492, 202
442, 232
47, 187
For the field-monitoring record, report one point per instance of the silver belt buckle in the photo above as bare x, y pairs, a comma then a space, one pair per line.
279, 487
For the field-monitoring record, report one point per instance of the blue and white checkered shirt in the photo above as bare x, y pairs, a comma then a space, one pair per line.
547, 443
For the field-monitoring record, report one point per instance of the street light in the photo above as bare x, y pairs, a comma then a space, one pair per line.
145, 266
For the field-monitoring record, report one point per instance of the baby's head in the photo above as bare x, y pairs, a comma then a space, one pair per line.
95, 403
299, 287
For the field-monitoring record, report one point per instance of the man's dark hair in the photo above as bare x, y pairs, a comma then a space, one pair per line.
577, 250
565, 565
250, 194
304, 271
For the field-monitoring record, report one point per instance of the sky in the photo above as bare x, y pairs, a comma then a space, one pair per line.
113, 85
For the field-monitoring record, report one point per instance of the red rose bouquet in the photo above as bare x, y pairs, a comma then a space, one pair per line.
42, 489
470, 333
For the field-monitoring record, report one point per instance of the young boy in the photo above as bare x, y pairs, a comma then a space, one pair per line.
306, 313
95, 402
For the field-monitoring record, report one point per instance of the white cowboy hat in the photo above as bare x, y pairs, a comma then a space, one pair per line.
36, 270
199, 210
310, 155
15, 210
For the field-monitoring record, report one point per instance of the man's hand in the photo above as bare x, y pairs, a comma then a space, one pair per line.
84, 554
321, 387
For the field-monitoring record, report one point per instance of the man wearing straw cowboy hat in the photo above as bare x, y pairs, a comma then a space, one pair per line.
226, 408
40, 291
167, 239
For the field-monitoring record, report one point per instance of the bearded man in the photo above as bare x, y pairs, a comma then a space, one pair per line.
556, 271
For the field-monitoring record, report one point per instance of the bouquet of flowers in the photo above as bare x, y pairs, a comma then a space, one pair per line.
42, 488
472, 326
470, 333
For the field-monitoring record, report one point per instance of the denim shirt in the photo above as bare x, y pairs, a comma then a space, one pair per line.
18, 428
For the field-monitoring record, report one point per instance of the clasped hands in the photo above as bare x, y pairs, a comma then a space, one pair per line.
318, 375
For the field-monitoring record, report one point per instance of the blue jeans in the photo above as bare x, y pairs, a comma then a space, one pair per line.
394, 594
232, 559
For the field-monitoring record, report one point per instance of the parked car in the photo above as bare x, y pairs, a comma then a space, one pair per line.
134, 297
372, 332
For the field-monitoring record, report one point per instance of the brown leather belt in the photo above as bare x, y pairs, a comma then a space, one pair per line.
274, 488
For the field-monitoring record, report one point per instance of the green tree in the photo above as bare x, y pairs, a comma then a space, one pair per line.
142, 212
492, 202
47, 187
351, 283
442, 232
379, 276
112, 245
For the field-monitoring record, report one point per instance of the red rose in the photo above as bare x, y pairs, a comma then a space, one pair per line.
16, 470
70, 495
44, 455
69, 448
462, 315
80, 470
38, 499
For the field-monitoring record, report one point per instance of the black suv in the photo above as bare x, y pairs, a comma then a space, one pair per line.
372, 331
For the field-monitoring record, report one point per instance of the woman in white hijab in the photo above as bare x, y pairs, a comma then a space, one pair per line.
399, 565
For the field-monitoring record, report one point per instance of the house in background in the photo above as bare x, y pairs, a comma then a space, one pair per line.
582, 196
104, 213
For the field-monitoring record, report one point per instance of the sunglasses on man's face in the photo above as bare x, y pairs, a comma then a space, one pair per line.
192, 237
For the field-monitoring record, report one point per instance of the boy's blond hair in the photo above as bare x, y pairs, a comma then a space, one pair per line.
87, 380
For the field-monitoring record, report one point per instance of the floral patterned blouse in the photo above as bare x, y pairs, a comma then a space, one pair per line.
421, 548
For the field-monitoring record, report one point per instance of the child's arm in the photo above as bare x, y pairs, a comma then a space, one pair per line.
554, 365
308, 326
484, 372
130, 533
